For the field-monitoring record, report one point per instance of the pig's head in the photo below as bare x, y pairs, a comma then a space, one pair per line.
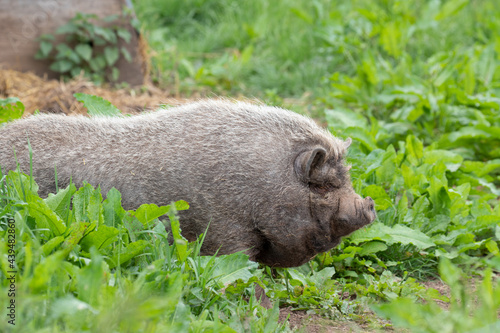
336, 210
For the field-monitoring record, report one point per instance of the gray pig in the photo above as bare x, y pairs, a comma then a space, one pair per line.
266, 180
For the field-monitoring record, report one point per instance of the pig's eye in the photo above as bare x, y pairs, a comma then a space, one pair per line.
342, 221
322, 189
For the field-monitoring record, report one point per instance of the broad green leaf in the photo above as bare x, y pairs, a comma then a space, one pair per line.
483, 221
65, 53
414, 149
124, 34
45, 217
362, 136
149, 212
61, 66
343, 118
84, 51
374, 161
464, 248
97, 64
469, 133
111, 54
68, 28
22, 186
452, 160
45, 48
48, 247
492, 246
481, 208
438, 195
8, 100
321, 277
409, 113
134, 227
492, 187
397, 234
106, 33
132, 250
87, 205
229, 268
75, 233
404, 235
379, 195
220, 327
372, 247
160, 229
68, 306
488, 167
375, 231
97, 106
60, 202
101, 237
10, 108
90, 279
75, 71
112, 208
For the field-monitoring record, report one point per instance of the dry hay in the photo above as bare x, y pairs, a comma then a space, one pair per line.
54, 96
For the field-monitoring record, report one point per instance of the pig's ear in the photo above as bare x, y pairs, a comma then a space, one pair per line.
347, 143
309, 161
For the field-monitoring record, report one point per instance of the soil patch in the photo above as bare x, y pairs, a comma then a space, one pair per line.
301, 321
443, 289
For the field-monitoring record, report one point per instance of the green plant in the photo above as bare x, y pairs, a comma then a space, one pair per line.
87, 261
470, 311
90, 48
10, 108
97, 106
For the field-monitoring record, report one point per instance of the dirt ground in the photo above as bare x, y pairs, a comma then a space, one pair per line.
300, 321
53, 96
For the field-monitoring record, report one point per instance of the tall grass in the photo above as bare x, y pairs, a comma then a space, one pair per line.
294, 47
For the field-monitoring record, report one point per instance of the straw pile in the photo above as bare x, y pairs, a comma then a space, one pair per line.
52, 96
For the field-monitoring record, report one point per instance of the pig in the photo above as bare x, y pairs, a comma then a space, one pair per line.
263, 179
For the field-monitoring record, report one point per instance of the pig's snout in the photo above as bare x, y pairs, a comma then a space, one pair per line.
370, 204
370, 213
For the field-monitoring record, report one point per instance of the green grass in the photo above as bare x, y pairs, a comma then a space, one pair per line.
294, 47
414, 83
